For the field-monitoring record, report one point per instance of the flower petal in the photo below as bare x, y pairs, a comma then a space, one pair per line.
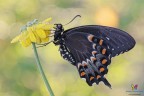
32, 37
26, 42
38, 39
44, 40
41, 33
16, 39
48, 27
47, 20
40, 25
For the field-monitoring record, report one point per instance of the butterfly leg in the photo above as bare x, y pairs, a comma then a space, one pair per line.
44, 44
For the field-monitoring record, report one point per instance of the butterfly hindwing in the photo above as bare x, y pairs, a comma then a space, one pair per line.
91, 56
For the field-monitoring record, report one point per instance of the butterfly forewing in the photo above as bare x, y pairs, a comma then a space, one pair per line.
117, 40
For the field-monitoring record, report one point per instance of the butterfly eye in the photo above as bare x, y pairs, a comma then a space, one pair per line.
59, 26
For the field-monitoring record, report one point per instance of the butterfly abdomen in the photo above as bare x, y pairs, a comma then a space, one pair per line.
66, 54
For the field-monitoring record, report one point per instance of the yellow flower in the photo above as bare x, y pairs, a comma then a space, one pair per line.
34, 31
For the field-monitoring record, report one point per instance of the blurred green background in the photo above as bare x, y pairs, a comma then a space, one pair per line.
18, 72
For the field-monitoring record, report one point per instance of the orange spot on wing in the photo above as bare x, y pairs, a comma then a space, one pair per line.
98, 76
90, 37
102, 69
104, 61
91, 78
104, 51
100, 42
82, 74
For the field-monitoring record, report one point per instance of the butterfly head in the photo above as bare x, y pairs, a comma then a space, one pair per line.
58, 28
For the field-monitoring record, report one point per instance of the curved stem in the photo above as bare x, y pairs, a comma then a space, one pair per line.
41, 70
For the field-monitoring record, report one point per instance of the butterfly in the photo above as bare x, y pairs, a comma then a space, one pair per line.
134, 87
91, 47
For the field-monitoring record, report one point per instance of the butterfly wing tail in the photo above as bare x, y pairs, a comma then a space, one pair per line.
106, 82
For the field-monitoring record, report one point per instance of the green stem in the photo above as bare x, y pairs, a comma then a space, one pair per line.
41, 70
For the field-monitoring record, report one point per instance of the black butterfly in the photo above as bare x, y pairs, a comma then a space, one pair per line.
91, 47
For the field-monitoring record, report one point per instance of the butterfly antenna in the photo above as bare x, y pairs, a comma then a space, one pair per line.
73, 19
